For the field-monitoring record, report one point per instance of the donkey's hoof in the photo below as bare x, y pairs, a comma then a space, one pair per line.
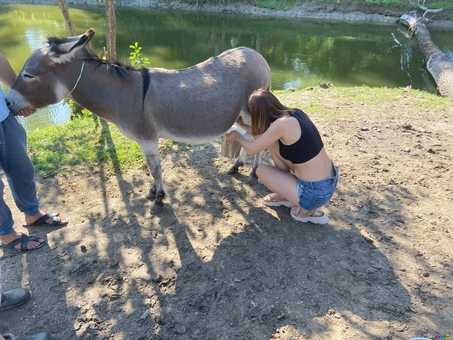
235, 168
232, 171
156, 208
152, 194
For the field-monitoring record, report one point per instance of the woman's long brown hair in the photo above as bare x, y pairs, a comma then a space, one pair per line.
265, 108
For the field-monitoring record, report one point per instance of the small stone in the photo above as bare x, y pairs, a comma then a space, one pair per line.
180, 328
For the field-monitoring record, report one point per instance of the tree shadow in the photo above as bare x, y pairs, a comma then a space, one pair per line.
231, 270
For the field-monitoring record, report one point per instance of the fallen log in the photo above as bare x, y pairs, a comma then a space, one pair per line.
437, 64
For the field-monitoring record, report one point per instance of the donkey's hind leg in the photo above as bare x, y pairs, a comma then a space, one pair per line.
253, 178
240, 161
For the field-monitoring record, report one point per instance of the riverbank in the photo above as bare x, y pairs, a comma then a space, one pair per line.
358, 12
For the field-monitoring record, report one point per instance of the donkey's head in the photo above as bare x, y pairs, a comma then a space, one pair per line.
46, 77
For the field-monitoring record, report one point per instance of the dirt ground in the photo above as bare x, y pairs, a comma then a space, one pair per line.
218, 264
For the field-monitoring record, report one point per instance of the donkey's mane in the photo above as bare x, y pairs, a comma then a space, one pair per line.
112, 65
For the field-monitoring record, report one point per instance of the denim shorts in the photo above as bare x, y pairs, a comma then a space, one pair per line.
314, 195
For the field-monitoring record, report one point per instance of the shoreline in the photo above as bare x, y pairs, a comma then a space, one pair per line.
300, 11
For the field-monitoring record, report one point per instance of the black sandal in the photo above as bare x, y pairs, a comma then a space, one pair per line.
23, 240
56, 221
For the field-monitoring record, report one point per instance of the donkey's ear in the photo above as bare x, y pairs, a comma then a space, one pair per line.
63, 49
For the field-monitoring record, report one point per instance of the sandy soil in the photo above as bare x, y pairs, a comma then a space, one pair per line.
217, 264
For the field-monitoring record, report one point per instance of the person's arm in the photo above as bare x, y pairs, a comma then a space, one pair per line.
275, 131
7, 77
7, 74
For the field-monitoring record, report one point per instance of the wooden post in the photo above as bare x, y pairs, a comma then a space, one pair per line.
110, 22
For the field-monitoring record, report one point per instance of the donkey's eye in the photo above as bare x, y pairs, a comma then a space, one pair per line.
28, 76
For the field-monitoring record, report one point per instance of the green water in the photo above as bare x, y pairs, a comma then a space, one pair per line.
301, 53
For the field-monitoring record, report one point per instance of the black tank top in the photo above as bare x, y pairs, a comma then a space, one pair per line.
309, 144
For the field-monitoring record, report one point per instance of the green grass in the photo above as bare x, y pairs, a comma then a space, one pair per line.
88, 141
335, 103
287, 4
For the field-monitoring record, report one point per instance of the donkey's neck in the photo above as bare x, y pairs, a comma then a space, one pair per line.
106, 90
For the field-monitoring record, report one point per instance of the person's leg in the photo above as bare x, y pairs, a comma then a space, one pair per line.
281, 182
278, 160
274, 199
6, 218
18, 167
7, 232
20, 173
313, 196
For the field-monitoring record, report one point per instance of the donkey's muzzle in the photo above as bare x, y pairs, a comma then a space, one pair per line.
10, 106
13, 104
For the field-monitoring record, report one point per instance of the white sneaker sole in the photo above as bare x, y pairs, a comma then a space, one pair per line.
278, 204
321, 219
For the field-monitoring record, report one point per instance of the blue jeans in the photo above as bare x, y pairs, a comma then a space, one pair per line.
314, 195
19, 172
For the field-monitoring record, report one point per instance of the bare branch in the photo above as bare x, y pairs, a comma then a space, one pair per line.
396, 40
427, 11
431, 11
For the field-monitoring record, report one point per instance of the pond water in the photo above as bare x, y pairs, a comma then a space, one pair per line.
300, 52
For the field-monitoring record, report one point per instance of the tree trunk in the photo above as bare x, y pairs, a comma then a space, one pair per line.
437, 63
67, 18
110, 23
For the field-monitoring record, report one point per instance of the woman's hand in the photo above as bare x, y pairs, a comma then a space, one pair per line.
231, 137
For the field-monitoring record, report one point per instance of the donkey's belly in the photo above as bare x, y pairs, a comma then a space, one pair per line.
191, 137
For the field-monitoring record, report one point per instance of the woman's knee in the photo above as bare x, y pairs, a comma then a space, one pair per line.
259, 170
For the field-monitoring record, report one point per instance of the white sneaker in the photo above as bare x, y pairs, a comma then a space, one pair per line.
317, 218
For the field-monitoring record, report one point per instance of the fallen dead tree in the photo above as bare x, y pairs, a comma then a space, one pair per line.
437, 63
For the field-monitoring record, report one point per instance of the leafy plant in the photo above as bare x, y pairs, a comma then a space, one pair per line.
136, 57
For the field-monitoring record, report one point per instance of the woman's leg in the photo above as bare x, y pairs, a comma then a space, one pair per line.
278, 160
279, 181
280, 164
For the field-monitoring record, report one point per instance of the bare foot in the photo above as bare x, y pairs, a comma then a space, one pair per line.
300, 212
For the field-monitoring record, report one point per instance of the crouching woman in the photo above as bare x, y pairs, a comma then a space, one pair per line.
303, 176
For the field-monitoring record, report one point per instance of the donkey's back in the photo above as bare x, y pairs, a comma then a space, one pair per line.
199, 103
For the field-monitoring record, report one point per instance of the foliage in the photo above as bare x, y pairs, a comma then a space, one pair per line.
287, 4
76, 110
136, 57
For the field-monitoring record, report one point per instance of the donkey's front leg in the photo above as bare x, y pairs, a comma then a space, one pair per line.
157, 192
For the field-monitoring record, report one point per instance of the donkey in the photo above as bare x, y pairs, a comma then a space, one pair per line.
193, 105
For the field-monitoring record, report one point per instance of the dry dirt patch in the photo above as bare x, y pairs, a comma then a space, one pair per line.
217, 264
